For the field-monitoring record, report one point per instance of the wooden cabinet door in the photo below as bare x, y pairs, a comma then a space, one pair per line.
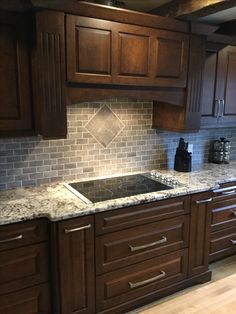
89, 50
226, 84
133, 55
219, 87
105, 52
15, 89
171, 59
199, 233
76, 262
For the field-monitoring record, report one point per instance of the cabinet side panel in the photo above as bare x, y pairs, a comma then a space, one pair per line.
49, 75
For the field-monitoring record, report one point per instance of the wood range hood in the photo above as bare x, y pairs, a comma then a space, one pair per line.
85, 52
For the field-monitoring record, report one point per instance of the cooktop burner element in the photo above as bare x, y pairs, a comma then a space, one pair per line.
117, 187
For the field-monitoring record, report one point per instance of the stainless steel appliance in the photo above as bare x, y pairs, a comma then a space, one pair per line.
123, 186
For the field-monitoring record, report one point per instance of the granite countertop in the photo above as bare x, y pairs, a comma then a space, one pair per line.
56, 202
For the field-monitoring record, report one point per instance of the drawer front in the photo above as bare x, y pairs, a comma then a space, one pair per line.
133, 245
226, 191
23, 267
23, 233
223, 214
223, 243
141, 214
28, 301
140, 279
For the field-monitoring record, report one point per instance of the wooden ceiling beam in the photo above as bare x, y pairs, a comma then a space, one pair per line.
192, 9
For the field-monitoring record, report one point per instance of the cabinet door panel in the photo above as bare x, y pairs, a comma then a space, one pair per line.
76, 259
89, 43
122, 248
135, 281
230, 87
133, 55
208, 86
32, 300
15, 109
171, 59
199, 233
23, 267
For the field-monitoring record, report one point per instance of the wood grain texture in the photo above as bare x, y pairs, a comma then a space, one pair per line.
15, 87
199, 234
188, 116
114, 250
32, 300
76, 261
48, 59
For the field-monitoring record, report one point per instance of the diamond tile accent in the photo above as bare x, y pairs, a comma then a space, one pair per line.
105, 126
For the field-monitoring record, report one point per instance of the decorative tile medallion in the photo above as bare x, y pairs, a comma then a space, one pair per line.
105, 126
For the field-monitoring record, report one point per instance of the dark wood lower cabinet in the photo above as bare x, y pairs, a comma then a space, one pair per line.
76, 262
24, 268
223, 222
143, 253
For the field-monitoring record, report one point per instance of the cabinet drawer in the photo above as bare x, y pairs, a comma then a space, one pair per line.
141, 214
20, 234
140, 279
223, 214
23, 267
226, 191
136, 244
222, 243
29, 301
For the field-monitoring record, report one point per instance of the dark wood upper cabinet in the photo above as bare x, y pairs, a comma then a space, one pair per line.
186, 116
15, 87
89, 43
219, 87
101, 51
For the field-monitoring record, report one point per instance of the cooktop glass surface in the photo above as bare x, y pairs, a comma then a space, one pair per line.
112, 188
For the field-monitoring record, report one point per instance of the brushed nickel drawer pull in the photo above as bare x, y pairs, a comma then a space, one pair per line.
77, 229
19, 237
233, 212
228, 192
233, 241
144, 282
204, 201
137, 248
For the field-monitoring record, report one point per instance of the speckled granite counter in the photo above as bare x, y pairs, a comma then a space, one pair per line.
57, 203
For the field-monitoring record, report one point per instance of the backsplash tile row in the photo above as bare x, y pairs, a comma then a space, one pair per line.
33, 161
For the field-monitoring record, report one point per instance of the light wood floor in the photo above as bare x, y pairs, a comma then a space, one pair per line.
216, 297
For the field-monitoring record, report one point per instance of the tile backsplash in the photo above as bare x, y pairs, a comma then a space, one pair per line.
131, 146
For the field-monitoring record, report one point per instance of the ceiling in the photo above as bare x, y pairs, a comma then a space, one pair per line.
144, 5
148, 5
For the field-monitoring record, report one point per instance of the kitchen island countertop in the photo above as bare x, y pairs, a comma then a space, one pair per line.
56, 202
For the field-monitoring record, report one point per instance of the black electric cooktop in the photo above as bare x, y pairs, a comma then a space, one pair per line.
112, 188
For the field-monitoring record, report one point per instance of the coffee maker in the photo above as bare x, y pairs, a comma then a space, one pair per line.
220, 151
183, 158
